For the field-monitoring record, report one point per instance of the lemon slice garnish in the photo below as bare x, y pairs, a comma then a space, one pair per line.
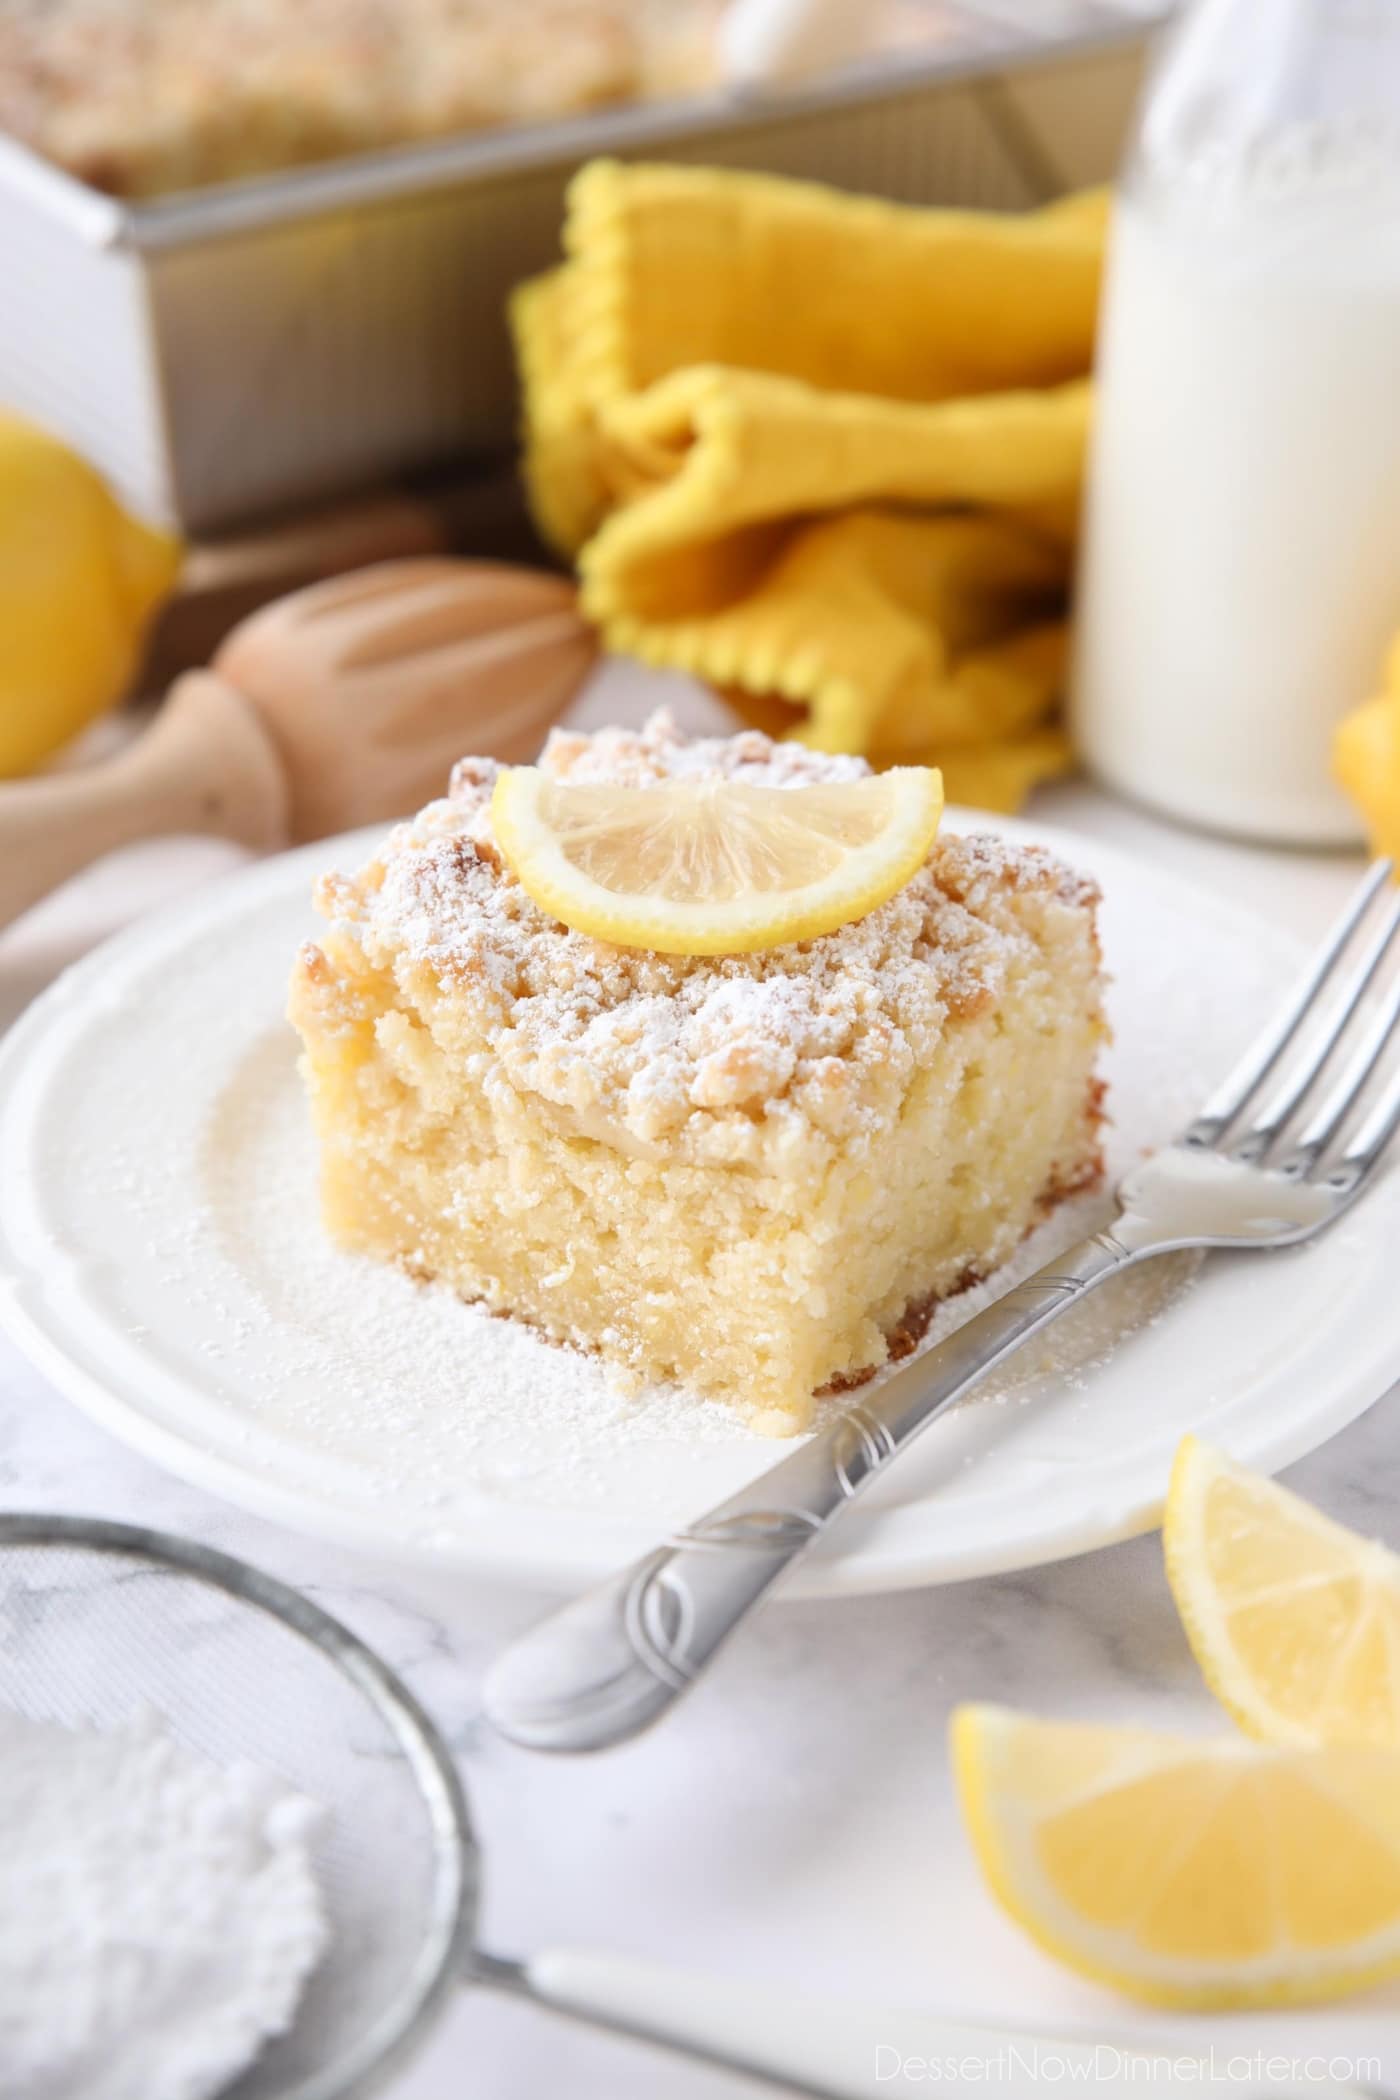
1186, 1872
714, 867
1294, 1620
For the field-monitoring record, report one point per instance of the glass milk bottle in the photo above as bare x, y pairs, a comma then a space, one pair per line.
1240, 576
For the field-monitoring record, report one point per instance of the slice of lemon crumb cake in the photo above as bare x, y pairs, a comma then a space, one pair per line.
748, 1172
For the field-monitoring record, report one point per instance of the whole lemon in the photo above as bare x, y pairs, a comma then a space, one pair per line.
1366, 759
79, 581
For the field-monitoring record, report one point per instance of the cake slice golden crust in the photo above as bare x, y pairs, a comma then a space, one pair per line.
745, 1173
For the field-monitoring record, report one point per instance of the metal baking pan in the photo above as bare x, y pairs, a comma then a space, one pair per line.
238, 350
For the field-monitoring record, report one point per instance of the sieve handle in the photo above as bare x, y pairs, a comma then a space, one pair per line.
829, 2051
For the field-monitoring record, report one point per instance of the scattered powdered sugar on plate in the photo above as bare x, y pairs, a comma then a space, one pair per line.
159, 1913
375, 1334
1083, 1339
438, 1388
159, 1208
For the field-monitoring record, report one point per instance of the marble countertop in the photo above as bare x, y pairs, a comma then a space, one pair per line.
794, 1819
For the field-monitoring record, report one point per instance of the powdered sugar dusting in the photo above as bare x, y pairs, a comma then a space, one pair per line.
162, 1222
494, 1407
825, 1031
159, 1913
497, 1404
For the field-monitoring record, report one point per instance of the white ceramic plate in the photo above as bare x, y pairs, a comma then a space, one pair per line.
163, 1263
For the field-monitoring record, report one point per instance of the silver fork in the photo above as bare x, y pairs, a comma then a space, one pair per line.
1276, 1155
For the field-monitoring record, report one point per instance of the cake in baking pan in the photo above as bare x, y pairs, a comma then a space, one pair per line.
143, 97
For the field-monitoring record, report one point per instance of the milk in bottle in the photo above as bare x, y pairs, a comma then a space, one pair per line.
1240, 576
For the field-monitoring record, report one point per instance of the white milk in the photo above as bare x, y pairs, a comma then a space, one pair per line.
1241, 573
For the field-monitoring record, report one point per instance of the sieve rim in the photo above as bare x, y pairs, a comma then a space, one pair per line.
442, 1960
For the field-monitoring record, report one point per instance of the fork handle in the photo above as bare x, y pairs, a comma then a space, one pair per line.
610, 1663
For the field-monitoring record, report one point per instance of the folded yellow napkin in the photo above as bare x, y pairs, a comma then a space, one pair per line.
824, 453
1366, 759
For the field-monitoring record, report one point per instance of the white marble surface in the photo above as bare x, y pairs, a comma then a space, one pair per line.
794, 1820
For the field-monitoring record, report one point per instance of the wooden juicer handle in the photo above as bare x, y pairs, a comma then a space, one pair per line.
343, 704
207, 765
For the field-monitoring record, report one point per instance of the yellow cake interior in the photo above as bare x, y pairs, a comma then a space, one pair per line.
747, 1174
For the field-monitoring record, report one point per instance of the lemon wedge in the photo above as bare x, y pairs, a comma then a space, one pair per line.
1294, 1620
1189, 1873
714, 867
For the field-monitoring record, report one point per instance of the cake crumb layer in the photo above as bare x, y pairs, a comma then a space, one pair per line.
821, 1032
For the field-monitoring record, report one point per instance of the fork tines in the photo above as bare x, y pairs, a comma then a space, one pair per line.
1329, 1027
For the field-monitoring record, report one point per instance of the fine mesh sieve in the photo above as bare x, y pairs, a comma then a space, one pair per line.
99, 1620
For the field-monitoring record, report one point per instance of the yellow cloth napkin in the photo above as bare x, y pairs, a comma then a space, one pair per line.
824, 453
1366, 759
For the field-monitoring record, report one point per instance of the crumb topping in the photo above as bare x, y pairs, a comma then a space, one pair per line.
820, 1032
